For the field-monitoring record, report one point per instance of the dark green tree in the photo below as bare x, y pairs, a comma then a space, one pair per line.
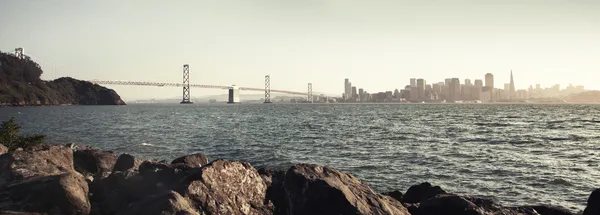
9, 136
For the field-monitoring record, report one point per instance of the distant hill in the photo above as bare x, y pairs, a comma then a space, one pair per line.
584, 97
20, 85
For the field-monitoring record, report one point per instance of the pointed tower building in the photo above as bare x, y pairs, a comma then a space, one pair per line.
512, 86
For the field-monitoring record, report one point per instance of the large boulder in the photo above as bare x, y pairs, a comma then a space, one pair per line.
66, 194
3, 149
94, 161
34, 162
127, 162
275, 190
121, 188
226, 187
593, 204
421, 192
193, 160
545, 210
313, 189
397, 195
443, 204
169, 202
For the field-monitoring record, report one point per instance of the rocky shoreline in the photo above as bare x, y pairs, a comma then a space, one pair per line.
83, 180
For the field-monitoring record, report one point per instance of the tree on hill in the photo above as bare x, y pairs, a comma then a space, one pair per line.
9, 136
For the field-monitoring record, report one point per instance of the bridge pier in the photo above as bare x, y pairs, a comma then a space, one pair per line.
186, 85
234, 95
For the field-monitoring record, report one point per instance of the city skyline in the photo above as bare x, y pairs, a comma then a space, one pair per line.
453, 90
374, 43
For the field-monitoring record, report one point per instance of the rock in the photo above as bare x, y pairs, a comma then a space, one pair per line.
66, 193
94, 161
127, 162
545, 210
194, 160
3, 149
115, 192
275, 191
466, 205
169, 202
34, 162
447, 204
397, 195
593, 204
313, 189
421, 192
226, 187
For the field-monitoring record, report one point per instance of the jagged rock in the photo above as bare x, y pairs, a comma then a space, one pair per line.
593, 204
94, 161
313, 189
194, 160
543, 210
421, 192
127, 162
35, 161
66, 193
443, 204
3, 149
115, 192
226, 187
275, 191
169, 202
397, 195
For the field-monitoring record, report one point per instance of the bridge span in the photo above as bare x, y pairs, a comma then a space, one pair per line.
205, 86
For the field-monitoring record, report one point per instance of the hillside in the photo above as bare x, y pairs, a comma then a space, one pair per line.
20, 85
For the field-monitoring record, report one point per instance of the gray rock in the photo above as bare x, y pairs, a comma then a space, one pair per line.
421, 192
34, 162
313, 189
593, 204
66, 194
226, 187
127, 162
94, 161
193, 160
169, 202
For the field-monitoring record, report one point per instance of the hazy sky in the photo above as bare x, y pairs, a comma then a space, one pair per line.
378, 44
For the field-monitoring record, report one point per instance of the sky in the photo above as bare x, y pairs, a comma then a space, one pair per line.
378, 44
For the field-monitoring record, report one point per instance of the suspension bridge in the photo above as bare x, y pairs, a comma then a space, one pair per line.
233, 90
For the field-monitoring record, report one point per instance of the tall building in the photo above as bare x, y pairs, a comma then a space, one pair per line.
477, 89
421, 89
361, 94
478, 83
489, 80
347, 89
454, 90
511, 92
354, 93
467, 82
413, 82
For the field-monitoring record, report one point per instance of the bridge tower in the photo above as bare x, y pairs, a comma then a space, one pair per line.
267, 89
186, 85
310, 97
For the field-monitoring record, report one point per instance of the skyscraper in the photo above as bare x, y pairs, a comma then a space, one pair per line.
354, 93
421, 88
489, 80
511, 93
467, 82
454, 89
413, 82
347, 89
